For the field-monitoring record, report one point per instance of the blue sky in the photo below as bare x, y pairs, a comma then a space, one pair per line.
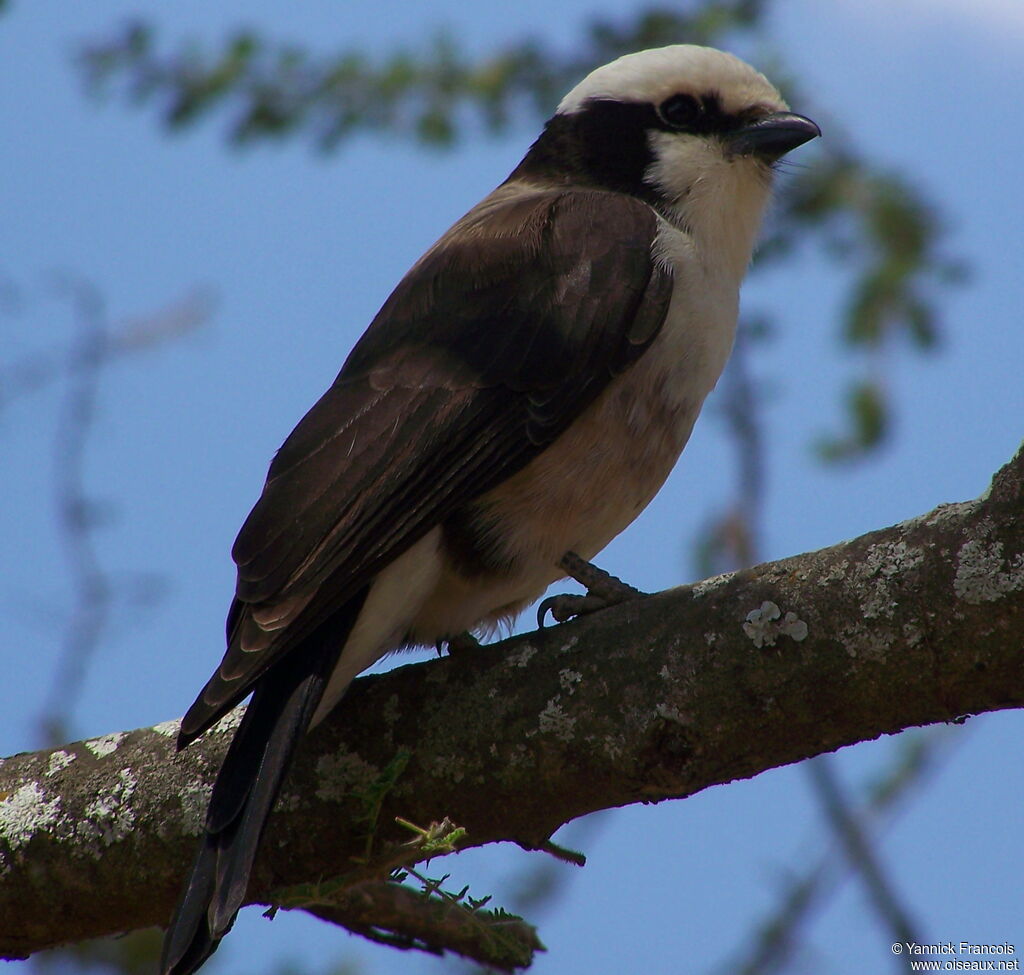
301, 250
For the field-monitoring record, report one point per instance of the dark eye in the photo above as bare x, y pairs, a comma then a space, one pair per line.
681, 111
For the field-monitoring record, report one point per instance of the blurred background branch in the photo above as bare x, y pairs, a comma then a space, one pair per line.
78, 513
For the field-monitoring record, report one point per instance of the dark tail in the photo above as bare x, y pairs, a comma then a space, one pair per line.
249, 780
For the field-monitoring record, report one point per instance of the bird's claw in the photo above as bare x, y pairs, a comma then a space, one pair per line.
458, 643
565, 606
603, 590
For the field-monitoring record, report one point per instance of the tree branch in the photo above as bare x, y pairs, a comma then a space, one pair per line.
910, 625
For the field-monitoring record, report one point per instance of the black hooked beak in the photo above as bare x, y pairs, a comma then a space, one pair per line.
772, 136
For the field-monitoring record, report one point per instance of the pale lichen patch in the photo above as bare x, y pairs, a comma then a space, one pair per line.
169, 729
554, 720
983, 574
614, 747
893, 558
860, 642
106, 744
669, 712
194, 798
881, 565
878, 603
58, 760
518, 756
230, 722
793, 627
705, 586
912, 634
766, 624
837, 573
343, 773
110, 818
569, 679
759, 624
522, 657
449, 767
26, 812
946, 513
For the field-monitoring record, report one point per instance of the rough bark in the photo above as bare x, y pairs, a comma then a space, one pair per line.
919, 623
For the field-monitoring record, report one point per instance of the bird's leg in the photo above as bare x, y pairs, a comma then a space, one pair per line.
603, 590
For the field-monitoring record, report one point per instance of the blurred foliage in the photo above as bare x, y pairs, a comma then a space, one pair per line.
431, 94
877, 227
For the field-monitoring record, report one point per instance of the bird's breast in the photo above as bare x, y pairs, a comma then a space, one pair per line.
501, 551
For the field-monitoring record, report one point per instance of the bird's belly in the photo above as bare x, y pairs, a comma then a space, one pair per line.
501, 552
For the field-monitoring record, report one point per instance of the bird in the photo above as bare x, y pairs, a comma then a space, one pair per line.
514, 405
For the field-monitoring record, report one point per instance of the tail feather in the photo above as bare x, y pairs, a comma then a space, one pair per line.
188, 942
241, 840
243, 796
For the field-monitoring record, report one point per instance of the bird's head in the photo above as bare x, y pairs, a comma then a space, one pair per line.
691, 130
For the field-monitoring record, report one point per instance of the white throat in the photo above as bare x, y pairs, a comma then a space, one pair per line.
719, 205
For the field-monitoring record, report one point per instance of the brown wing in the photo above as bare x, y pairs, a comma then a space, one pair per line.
486, 351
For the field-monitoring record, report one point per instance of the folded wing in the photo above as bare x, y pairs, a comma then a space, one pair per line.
501, 335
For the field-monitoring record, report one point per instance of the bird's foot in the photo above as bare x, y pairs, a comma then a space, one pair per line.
457, 644
603, 590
